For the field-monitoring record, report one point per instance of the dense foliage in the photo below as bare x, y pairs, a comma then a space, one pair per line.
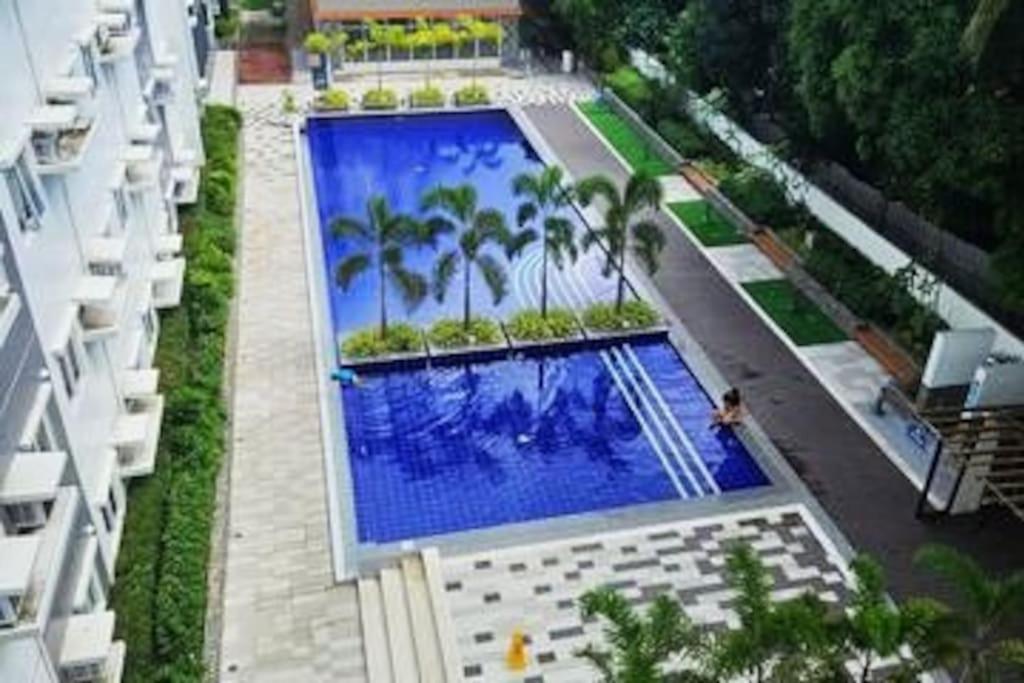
923, 99
380, 98
332, 99
530, 325
429, 96
400, 338
449, 333
633, 315
160, 595
472, 95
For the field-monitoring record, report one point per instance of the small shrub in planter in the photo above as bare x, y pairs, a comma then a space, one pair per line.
450, 333
757, 193
333, 99
382, 98
530, 325
634, 315
428, 97
683, 138
401, 338
632, 87
472, 95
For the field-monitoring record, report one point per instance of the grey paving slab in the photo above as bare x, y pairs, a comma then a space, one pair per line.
871, 501
284, 619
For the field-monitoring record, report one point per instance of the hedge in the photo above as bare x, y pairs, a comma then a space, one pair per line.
160, 596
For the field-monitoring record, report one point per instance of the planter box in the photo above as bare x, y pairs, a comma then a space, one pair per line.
700, 180
475, 353
524, 345
611, 337
388, 361
774, 248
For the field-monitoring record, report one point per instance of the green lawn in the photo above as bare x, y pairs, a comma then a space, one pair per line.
711, 228
626, 141
800, 318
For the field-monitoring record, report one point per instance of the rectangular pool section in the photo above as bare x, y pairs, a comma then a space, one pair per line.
477, 445
465, 446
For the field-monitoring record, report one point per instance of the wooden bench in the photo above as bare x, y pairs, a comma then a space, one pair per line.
892, 358
772, 247
700, 180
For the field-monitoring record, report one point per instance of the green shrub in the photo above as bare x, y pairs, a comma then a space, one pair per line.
472, 95
333, 99
759, 196
529, 325
367, 343
160, 595
683, 137
427, 97
382, 98
449, 333
225, 26
609, 58
317, 43
633, 315
631, 87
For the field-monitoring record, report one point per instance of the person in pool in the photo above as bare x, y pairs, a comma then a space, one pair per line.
731, 412
347, 377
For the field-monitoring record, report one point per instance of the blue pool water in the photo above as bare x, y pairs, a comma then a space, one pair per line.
401, 158
447, 449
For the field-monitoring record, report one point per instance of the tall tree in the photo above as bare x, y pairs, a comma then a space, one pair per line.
545, 198
477, 229
385, 236
623, 230
986, 605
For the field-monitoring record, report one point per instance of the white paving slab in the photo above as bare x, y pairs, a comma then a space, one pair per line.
743, 263
675, 188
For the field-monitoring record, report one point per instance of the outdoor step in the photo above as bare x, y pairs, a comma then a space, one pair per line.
375, 636
421, 615
396, 615
443, 623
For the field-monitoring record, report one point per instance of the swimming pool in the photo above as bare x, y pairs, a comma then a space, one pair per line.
447, 449
401, 158
469, 445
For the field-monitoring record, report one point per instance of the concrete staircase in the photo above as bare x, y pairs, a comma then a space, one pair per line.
408, 635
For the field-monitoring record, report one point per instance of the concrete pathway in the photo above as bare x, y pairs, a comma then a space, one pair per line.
283, 619
222, 77
871, 501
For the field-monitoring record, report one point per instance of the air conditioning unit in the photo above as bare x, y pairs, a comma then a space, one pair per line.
26, 516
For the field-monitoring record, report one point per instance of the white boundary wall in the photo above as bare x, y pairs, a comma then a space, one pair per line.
956, 310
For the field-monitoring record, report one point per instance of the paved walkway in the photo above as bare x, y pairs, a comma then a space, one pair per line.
284, 619
869, 499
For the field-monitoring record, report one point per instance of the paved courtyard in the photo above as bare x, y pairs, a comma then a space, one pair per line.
283, 617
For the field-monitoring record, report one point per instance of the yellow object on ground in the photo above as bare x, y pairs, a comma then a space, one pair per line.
516, 658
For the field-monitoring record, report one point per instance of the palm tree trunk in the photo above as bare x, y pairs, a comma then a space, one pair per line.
621, 294
465, 301
383, 304
866, 669
544, 277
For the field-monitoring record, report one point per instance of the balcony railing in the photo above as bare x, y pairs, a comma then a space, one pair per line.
61, 134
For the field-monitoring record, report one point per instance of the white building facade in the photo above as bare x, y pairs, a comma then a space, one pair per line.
99, 143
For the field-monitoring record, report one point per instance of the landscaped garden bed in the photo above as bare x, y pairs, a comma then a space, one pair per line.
333, 99
472, 96
427, 98
626, 141
605, 319
709, 226
380, 99
452, 337
803, 322
402, 341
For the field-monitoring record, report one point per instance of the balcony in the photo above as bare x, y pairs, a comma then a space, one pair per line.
116, 36
29, 482
86, 650
168, 245
60, 137
159, 88
167, 278
32, 563
10, 306
69, 89
136, 434
101, 300
142, 167
140, 384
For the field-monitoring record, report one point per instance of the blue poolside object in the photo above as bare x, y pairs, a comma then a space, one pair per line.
449, 449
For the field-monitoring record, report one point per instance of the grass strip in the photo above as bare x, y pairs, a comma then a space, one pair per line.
798, 316
626, 141
711, 228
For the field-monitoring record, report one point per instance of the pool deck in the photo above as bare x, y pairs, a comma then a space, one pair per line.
870, 500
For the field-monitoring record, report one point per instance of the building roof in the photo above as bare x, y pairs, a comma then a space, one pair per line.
348, 10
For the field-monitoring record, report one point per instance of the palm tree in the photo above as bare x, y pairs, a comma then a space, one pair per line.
986, 604
984, 19
621, 229
479, 228
386, 235
545, 197
642, 644
423, 38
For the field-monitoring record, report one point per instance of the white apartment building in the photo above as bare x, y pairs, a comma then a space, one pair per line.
99, 142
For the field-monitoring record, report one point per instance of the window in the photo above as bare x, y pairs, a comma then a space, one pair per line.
26, 516
112, 501
149, 323
9, 609
121, 205
108, 519
70, 365
26, 194
83, 673
89, 63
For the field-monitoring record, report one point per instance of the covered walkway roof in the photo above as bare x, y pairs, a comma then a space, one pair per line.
353, 10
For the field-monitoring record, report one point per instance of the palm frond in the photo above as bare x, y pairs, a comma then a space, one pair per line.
444, 272
516, 242
960, 572
526, 185
434, 227
350, 268
561, 238
490, 224
597, 186
649, 241
643, 191
411, 285
494, 276
986, 16
346, 226
526, 213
